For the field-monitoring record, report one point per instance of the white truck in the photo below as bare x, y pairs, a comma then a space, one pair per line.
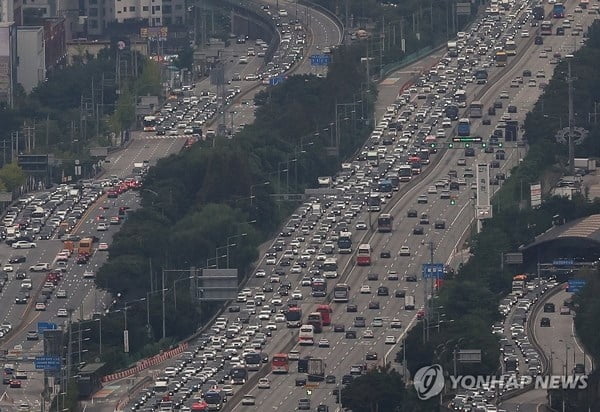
452, 49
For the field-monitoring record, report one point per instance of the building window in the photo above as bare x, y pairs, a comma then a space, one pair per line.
167, 9
125, 9
93, 1
178, 6
167, 21
132, 8
93, 24
93, 12
178, 20
144, 8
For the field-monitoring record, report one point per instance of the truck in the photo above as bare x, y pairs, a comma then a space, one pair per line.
86, 246
314, 367
452, 49
138, 168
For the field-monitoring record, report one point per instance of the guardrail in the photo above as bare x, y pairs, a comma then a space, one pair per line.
328, 12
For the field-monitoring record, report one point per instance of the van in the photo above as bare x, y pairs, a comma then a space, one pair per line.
409, 303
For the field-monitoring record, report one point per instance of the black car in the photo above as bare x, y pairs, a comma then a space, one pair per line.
385, 254
526, 73
412, 213
372, 276
440, 224
16, 259
330, 379
371, 355
418, 230
512, 109
350, 334
351, 308
492, 111
411, 278
234, 308
346, 379
383, 291
374, 304
300, 381
338, 327
400, 293
486, 121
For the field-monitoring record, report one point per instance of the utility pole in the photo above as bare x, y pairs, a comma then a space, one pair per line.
571, 117
164, 326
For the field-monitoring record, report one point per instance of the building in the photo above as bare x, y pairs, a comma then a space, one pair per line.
55, 41
11, 11
31, 50
82, 47
8, 62
99, 13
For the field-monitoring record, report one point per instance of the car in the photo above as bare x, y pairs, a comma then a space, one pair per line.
374, 304
418, 230
330, 379
404, 251
396, 323
512, 109
264, 383
440, 224
385, 254
422, 199
249, 400
412, 213
365, 289
14, 383
103, 246
368, 334
61, 294
23, 244
372, 276
461, 162
361, 226
390, 340
40, 267
383, 291
8, 268
371, 355
89, 274
62, 313
410, 278
16, 259
304, 404
377, 322
400, 293
300, 381
32, 335
392, 275
102, 227
504, 95
338, 327
323, 343
424, 220
40, 306
351, 308
350, 334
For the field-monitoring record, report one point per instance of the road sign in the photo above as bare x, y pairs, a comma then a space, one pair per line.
575, 285
515, 258
563, 262
311, 385
48, 362
320, 60
42, 326
433, 271
274, 81
468, 139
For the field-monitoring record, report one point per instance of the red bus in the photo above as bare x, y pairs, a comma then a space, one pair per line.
363, 257
280, 363
325, 311
316, 321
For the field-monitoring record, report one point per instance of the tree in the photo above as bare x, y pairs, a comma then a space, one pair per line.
185, 58
12, 176
149, 81
381, 389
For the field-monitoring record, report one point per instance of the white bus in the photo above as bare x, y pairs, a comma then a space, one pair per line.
460, 97
330, 268
306, 336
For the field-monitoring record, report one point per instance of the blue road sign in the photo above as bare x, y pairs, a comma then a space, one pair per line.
48, 363
433, 271
575, 285
563, 262
42, 326
274, 81
320, 59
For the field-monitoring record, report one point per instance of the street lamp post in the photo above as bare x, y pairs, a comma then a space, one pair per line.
125, 330
232, 245
148, 294
252, 189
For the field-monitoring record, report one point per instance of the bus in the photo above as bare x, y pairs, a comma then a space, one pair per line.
452, 112
584, 4
341, 293
161, 386
214, 399
316, 321
373, 158
363, 257
501, 58
293, 317
306, 336
344, 243
238, 375
409, 303
319, 288
385, 186
405, 173
464, 127
546, 28
330, 268
558, 11
325, 311
86, 246
385, 223
280, 363
150, 123
460, 97
476, 109
510, 47
253, 361
374, 202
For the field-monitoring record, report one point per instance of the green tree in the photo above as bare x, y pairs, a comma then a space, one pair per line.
185, 58
381, 389
124, 115
149, 81
12, 176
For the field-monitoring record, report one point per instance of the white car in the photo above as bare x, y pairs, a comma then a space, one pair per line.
404, 251
62, 313
88, 274
296, 269
432, 190
390, 340
23, 244
260, 273
365, 289
392, 275
297, 295
102, 227
280, 317
103, 246
249, 400
323, 343
264, 383
361, 226
8, 268
368, 334
271, 260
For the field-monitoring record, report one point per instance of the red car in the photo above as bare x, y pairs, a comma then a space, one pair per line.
15, 383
